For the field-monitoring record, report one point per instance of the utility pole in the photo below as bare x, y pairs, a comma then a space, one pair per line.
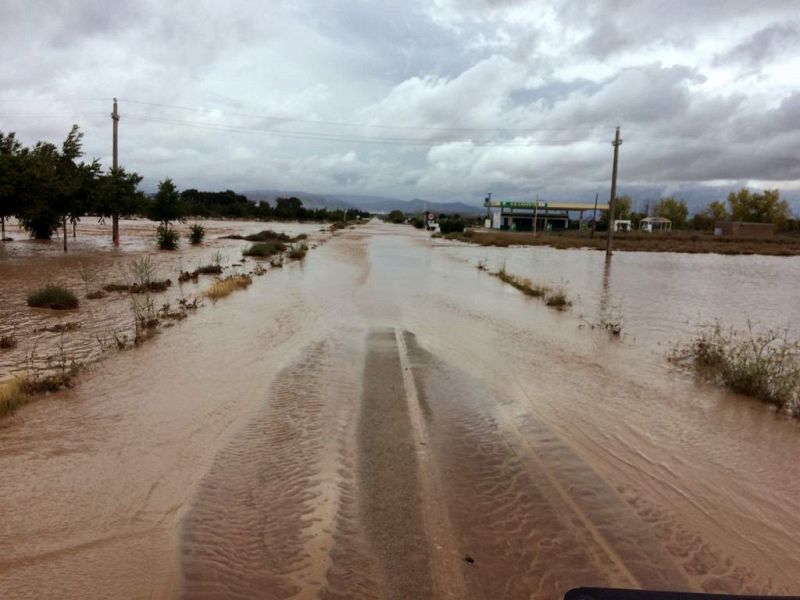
594, 217
114, 165
612, 202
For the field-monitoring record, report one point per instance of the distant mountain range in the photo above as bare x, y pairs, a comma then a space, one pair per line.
373, 204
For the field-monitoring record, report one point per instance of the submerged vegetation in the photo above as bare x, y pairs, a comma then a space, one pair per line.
225, 287
761, 364
196, 234
298, 252
555, 298
264, 249
53, 296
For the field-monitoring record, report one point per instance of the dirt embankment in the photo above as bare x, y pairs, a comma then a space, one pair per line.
678, 241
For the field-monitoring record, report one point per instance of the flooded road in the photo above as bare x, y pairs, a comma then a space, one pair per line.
384, 420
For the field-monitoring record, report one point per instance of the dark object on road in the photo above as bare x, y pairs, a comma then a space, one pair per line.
613, 594
469, 559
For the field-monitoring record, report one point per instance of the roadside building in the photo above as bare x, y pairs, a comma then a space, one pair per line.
536, 214
652, 224
742, 229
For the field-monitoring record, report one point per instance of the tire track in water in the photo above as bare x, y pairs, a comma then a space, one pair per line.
262, 522
546, 521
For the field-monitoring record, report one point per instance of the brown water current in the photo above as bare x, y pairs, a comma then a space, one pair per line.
384, 420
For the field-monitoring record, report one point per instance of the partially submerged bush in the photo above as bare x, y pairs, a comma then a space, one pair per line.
266, 235
557, 299
523, 284
764, 365
265, 249
53, 296
224, 287
167, 237
209, 269
298, 252
7, 342
196, 234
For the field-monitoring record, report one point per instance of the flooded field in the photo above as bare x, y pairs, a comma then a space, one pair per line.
385, 420
92, 263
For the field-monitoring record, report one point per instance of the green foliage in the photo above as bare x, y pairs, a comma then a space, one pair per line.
705, 219
759, 208
419, 222
673, 209
264, 249
167, 237
451, 225
764, 365
116, 194
53, 296
622, 208
197, 233
167, 206
396, 216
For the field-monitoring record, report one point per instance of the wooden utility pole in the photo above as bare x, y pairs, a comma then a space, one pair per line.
114, 165
612, 202
594, 217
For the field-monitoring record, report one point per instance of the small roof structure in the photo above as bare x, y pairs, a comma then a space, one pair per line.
655, 224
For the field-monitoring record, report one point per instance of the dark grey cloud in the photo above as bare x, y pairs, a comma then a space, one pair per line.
440, 99
763, 45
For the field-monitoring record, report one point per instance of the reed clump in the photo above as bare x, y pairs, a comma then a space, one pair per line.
761, 364
225, 287
53, 296
264, 249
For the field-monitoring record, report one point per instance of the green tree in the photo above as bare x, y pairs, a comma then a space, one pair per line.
37, 212
117, 194
396, 216
622, 208
11, 156
759, 208
673, 209
289, 208
167, 206
705, 219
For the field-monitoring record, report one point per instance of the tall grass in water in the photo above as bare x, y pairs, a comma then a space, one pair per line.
764, 365
264, 249
53, 296
225, 287
523, 284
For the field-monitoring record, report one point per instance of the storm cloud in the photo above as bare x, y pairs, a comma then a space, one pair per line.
442, 100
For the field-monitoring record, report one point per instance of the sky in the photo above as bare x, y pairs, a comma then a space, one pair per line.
436, 99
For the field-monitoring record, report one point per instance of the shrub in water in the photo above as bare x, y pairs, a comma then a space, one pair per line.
197, 233
298, 252
265, 249
764, 365
167, 237
53, 296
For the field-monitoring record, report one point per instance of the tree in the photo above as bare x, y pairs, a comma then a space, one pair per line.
289, 208
622, 208
705, 219
396, 216
37, 212
759, 208
116, 193
11, 156
673, 209
167, 205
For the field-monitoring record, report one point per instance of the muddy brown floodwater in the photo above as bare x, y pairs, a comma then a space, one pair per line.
384, 420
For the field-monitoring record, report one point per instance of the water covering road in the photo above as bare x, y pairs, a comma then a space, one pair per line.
387, 421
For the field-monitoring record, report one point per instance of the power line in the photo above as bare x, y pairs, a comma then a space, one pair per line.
286, 118
338, 137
